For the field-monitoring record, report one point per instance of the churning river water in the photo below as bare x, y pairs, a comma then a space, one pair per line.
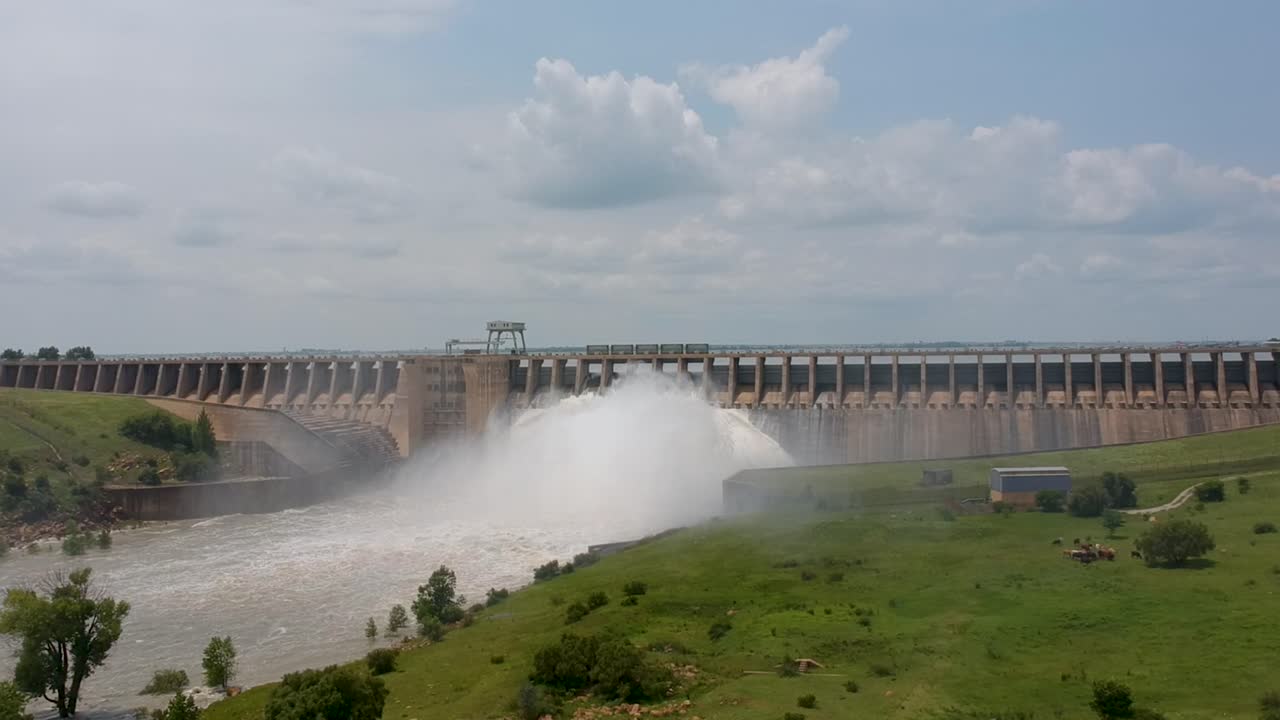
293, 589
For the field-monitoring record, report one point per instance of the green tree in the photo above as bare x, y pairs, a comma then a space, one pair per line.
1211, 491
48, 353
202, 438
1174, 542
64, 634
80, 352
1120, 490
13, 702
1269, 706
182, 707
1243, 485
1112, 520
371, 629
1050, 501
1111, 700
12, 354
219, 662
397, 619
334, 693
438, 598
1088, 501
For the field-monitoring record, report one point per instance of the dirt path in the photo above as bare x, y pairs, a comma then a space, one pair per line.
1173, 504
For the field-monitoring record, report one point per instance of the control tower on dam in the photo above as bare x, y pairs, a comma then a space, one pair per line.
828, 406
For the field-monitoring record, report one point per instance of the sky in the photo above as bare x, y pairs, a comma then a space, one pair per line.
182, 176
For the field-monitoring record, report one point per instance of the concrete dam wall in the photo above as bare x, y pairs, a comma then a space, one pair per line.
822, 436
831, 407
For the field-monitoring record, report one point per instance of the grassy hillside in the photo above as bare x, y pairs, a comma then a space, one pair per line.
977, 614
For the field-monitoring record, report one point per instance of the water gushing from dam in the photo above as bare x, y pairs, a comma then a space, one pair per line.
293, 588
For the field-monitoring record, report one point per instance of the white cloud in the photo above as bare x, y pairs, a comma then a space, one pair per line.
1102, 266
1036, 267
95, 200
368, 246
318, 178
779, 92
604, 140
207, 228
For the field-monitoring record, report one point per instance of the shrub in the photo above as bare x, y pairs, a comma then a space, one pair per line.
334, 693
1243, 485
1111, 700
1269, 706
497, 659
835, 577
101, 475
164, 682
431, 629
575, 612
719, 629
851, 686
149, 476
104, 539
493, 597
81, 460
1147, 714
864, 622
586, 559
1088, 501
476, 608
180, 707
547, 571
597, 600
1211, 491
630, 601
566, 568
635, 587
15, 466
793, 716
397, 619
382, 660
808, 702
1002, 508
370, 629
1264, 527
881, 670
157, 429
1050, 501
1119, 490
76, 542
193, 467
807, 575
610, 666
1112, 520
532, 703
1174, 542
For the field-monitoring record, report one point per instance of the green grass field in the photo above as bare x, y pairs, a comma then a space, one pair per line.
977, 614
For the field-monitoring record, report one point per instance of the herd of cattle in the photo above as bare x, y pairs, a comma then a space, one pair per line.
1087, 552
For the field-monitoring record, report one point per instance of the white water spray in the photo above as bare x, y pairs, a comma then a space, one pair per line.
648, 455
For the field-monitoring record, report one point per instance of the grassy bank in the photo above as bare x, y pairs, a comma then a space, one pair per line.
925, 614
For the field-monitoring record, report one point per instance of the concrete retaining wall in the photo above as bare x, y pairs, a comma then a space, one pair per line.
235, 424
834, 436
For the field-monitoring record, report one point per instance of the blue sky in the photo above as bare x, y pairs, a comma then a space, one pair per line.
187, 176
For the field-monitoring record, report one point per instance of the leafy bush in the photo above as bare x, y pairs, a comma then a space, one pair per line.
382, 660
149, 476
164, 682
851, 686
881, 670
431, 629
75, 542
1243, 485
630, 601
158, 429
575, 612
397, 619
635, 587
1000, 507
334, 693
835, 577
547, 571
610, 666
1174, 542
532, 703
193, 467
1111, 700
81, 460
1211, 491
1088, 501
597, 600
719, 629
586, 559
497, 659
807, 702
1050, 501
1269, 706
493, 597
807, 575
793, 716
1264, 527
104, 539
180, 707
1119, 490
